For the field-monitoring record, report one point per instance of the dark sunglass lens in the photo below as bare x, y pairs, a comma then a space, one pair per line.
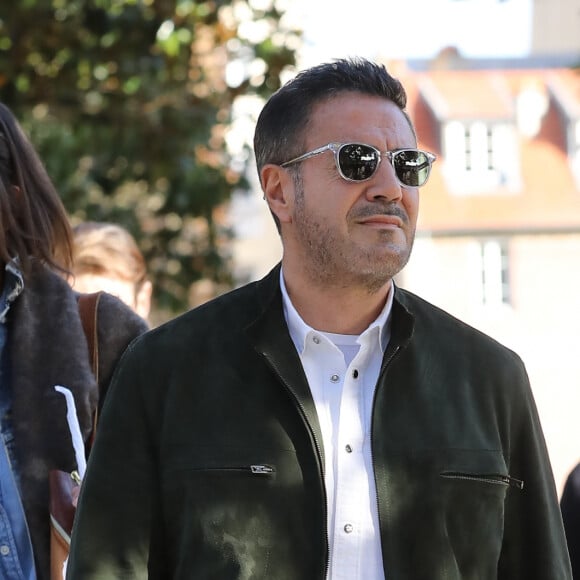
412, 167
357, 162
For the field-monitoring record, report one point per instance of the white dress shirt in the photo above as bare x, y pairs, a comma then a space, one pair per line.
342, 371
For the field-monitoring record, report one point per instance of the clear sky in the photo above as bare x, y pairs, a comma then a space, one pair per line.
412, 28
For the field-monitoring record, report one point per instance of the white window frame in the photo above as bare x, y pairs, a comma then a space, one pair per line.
481, 157
495, 272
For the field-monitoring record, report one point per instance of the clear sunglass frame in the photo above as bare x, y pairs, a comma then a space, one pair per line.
391, 155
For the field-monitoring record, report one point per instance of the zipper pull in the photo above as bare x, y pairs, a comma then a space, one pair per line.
261, 469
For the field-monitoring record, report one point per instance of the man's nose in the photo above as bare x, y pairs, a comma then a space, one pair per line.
384, 184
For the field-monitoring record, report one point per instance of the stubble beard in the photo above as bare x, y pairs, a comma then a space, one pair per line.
328, 263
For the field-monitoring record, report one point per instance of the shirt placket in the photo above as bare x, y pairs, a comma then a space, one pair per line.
350, 476
327, 364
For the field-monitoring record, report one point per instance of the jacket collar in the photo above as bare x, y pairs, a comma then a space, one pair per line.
402, 321
270, 297
271, 339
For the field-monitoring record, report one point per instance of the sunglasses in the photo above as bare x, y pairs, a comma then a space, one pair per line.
359, 162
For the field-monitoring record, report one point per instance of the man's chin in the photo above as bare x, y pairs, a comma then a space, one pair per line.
376, 275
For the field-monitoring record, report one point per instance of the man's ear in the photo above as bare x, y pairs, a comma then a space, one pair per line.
278, 187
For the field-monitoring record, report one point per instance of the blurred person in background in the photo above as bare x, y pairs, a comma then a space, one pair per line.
107, 257
323, 423
42, 346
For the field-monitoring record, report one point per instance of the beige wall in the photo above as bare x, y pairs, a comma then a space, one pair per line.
257, 247
556, 27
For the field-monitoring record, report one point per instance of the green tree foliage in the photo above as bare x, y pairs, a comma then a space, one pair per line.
128, 105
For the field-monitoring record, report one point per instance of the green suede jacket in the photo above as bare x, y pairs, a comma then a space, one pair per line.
208, 463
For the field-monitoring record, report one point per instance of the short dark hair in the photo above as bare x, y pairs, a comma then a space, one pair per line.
281, 124
33, 221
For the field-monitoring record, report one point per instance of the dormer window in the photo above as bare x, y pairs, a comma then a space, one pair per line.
481, 157
478, 148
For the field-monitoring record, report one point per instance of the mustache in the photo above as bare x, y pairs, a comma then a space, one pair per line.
378, 208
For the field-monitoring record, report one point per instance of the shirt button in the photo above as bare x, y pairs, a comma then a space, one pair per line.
4, 550
355, 374
348, 528
348, 449
334, 378
316, 340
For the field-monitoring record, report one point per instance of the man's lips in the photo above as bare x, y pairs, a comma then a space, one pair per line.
382, 220
380, 216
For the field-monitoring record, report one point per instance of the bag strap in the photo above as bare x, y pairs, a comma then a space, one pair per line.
88, 307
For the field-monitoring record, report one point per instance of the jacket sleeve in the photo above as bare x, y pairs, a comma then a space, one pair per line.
118, 505
534, 545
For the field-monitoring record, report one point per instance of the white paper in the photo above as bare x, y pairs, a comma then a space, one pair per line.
75, 429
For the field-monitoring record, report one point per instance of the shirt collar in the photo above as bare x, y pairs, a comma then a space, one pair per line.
13, 286
299, 330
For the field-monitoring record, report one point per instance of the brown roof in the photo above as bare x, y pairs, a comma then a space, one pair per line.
471, 94
549, 197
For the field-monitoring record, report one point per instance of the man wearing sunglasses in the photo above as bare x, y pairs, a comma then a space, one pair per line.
323, 423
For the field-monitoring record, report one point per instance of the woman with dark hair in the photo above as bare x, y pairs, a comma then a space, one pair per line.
42, 346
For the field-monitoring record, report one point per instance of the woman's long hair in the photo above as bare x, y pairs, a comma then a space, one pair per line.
34, 224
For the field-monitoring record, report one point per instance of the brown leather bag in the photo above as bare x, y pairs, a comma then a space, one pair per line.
64, 487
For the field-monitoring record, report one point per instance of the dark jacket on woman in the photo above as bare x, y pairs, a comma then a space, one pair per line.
47, 347
211, 443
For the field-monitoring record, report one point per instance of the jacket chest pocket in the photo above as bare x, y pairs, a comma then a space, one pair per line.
501, 479
474, 482
472, 488
259, 470
233, 506
223, 478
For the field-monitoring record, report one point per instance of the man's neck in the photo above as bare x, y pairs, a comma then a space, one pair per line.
332, 309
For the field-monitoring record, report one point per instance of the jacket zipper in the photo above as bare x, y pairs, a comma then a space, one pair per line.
318, 451
263, 470
381, 373
493, 478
